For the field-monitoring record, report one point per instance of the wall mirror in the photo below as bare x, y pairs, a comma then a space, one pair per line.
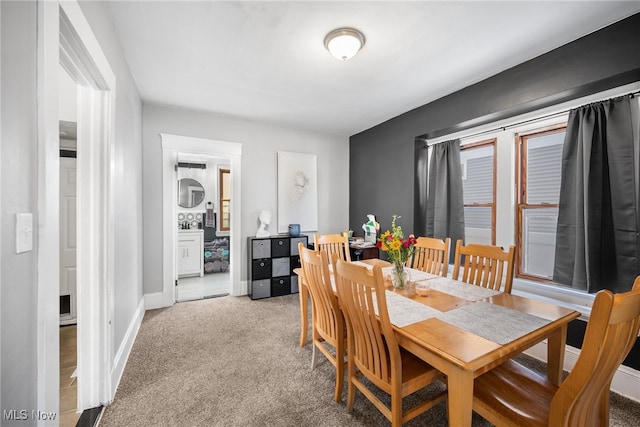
190, 193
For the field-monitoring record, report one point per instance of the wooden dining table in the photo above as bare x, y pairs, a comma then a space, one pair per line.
464, 331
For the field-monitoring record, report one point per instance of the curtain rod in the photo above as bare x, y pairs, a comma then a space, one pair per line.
533, 120
524, 122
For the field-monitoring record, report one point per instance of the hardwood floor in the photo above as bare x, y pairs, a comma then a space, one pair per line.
68, 384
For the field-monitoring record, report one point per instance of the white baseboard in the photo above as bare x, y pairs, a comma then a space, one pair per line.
626, 381
122, 355
242, 289
153, 301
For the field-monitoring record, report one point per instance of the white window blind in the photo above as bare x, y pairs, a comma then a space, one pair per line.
477, 186
544, 163
544, 167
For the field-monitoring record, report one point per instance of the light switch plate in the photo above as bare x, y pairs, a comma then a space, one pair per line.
24, 232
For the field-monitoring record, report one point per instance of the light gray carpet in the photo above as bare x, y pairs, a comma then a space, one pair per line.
235, 362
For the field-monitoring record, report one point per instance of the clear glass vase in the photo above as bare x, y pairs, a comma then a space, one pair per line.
399, 276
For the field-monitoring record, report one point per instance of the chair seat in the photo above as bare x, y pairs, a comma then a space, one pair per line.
416, 373
510, 387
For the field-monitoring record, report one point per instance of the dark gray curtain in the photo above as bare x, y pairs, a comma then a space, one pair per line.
596, 241
445, 206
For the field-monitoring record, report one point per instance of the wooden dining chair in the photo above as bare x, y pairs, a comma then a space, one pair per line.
512, 395
484, 265
372, 348
332, 244
431, 255
327, 324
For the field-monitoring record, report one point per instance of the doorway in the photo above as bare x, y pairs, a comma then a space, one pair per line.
69, 414
174, 146
68, 131
68, 230
65, 39
203, 248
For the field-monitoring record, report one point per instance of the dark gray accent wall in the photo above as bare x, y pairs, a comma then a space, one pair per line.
382, 165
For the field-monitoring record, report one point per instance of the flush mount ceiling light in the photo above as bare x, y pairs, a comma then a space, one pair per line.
344, 43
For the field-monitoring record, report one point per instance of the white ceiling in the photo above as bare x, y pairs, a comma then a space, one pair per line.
265, 60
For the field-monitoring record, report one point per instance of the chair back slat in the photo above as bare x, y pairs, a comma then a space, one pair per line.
333, 244
484, 265
431, 255
612, 330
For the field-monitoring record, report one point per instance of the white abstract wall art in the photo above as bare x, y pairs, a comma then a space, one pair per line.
297, 191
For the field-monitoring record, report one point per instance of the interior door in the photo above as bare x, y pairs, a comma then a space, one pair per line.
67, 240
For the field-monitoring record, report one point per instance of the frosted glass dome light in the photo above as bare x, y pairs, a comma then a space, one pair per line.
344, 43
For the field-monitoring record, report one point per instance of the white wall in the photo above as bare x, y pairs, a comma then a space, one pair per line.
18, 311
67, 104
259, 177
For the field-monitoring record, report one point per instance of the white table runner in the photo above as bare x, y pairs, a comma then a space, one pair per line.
404, 311
414, 275
460, 289
493, 322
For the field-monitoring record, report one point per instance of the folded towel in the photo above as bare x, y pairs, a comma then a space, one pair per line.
208, 221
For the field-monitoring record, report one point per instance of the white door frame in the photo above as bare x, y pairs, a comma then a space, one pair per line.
66, 39
171, 146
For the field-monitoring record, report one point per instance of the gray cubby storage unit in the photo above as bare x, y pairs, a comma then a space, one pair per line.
271, 264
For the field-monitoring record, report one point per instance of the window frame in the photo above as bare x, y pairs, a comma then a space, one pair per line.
492, 142
221, 199
521, 193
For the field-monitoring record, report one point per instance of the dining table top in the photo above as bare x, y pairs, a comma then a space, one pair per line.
467, 323
464, 330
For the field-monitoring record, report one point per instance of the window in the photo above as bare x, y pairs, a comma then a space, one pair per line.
478, 185
526, 179
540, 163
224, 184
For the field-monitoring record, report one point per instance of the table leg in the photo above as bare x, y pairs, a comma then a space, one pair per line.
555, 354
460, 397
303, 292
